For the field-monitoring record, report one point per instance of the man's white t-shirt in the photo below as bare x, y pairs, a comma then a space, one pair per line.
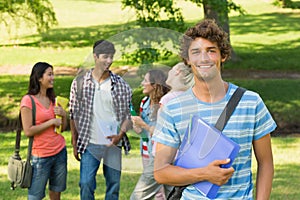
104, 121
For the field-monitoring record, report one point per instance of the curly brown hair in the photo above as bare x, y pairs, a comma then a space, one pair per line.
207, 29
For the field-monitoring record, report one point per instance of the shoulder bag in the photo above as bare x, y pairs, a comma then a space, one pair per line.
20, 172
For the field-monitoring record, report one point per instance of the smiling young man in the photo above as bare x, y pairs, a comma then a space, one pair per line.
100, 116
205, 47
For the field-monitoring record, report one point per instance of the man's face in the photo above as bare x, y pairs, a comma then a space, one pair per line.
104, 61
205, 58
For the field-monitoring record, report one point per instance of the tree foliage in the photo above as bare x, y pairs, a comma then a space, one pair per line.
219, 10
287, 4
38, 13
153, 13
220, 7
150, 13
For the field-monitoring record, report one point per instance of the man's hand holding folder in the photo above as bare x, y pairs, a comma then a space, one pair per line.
204, 146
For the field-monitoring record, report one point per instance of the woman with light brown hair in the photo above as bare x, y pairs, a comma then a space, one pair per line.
154, 87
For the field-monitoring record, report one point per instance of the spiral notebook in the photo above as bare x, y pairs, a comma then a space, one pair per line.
201, 145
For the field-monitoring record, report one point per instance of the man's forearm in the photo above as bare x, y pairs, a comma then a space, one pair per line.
74, 133
125, 126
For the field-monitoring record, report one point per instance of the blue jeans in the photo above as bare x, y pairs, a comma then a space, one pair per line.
54, 169
89, 165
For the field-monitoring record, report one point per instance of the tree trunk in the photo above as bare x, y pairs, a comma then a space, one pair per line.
286, 3
221, 19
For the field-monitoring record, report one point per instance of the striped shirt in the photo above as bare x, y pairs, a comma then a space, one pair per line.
145, 113
81, 104
250, 121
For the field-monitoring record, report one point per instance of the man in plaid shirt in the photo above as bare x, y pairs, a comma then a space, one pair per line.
100, 117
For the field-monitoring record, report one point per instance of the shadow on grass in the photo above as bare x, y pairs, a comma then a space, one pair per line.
283, 55
291, 4
11, 91
283, 187
75, 36
270, 24
128, 182
267, 24
13, 88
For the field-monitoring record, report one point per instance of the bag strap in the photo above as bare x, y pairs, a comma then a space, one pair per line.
18, 138
19, 130
79, 84
33, 123
221, 122
229, 108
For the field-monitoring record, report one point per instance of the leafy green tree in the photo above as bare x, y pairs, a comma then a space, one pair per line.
34, 12
286, 4
155, 14
282, 3
149, 14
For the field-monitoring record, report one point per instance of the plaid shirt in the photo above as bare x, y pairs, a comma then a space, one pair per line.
81, 105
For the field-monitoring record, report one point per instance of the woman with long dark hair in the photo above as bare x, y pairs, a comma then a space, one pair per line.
49, 155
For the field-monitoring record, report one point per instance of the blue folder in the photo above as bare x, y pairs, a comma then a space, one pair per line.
202, 144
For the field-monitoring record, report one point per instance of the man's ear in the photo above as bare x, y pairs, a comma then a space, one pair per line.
188, 62
224, 59
95, 56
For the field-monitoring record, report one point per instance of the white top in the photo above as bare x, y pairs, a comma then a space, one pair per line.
104, 121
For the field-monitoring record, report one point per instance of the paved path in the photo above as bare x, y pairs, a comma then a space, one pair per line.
246, 74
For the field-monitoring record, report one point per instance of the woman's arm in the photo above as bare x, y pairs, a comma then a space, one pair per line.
139, 124
31, 130
58, 110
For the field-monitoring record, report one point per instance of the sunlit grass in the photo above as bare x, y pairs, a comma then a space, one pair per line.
286, 152
28, 56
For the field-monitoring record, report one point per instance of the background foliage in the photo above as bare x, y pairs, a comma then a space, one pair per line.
37, 13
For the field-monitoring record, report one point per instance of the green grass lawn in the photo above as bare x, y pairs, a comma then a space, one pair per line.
286, 153
278, 94
266, 38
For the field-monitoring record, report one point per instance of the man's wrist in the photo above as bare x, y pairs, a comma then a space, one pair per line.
122, 133
74, 143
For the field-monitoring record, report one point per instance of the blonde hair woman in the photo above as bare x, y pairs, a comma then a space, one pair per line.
180, 78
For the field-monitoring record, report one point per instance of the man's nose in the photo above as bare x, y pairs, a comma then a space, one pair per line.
204, 55
110, 60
